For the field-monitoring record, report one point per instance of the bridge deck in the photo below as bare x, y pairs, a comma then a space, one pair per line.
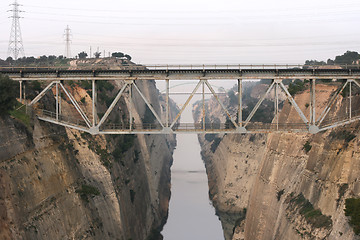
180, 74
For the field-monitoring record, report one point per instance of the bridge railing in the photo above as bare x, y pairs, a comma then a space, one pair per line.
194, 67
67, 119
331, 120
274, 126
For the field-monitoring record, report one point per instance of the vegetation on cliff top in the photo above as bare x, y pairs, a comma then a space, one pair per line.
349, 57
7, 95
352, 209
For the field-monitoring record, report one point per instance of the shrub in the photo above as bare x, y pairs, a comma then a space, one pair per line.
87, 190
352, 209
8, 91
132, 195
307, 146
296, 86
311, 215
345, 135
279, 194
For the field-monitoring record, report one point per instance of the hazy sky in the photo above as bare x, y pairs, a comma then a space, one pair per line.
190, 31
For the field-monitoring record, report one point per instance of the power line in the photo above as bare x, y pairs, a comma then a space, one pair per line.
16, 47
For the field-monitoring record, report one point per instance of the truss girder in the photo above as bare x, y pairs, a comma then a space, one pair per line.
174, 126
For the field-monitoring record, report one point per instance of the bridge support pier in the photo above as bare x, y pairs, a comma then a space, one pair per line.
313, 129
240, 92
167, 104
241, 130
57, 102
20, 82
94, 103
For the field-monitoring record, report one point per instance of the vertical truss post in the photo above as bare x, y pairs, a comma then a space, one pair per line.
94, 102
240, 121
313, 102
20, 82
203, 105
57, 101
167, 104
60, 100
350, 108
24, 92
277, 105
130, 105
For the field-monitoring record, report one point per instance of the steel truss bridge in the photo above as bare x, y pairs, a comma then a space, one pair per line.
202, 74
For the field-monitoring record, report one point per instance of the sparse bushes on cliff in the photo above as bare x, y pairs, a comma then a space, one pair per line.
307, 146
8, 91
87, 191
312, 216
345, 135
352, 209
296, 86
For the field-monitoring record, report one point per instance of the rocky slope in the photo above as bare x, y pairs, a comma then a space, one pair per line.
58, 183
273, 187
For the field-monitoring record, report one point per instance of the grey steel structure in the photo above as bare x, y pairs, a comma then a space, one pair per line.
201, 73
16, 47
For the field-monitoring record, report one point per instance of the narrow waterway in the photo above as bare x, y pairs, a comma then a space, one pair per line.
191, 215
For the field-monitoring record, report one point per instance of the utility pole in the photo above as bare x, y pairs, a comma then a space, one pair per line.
16, 47
90, 53
67, 36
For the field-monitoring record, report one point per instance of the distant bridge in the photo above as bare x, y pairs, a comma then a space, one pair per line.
202, 73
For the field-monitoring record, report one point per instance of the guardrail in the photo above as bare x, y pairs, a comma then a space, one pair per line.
193, 67
332, 120
61, 118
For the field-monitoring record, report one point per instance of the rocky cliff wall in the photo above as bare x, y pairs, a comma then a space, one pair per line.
271, 187
58, 183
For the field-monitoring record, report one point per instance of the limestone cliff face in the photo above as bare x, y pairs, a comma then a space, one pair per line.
270, 187
58, 183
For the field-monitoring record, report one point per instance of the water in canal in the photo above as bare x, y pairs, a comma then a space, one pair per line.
191, 215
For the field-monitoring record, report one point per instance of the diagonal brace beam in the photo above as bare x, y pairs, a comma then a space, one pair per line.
43, 92
291, 99
221, 104
149, 105
331, 103
186, 103
113, 104
358, 84
76, 105
258, 105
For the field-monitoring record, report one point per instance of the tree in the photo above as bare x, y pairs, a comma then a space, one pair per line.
97, 54
128, 57
117, 54
82, 55
7, 94
347, 58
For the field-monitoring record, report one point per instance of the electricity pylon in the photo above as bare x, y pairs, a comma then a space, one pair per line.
16, 47
67, 36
